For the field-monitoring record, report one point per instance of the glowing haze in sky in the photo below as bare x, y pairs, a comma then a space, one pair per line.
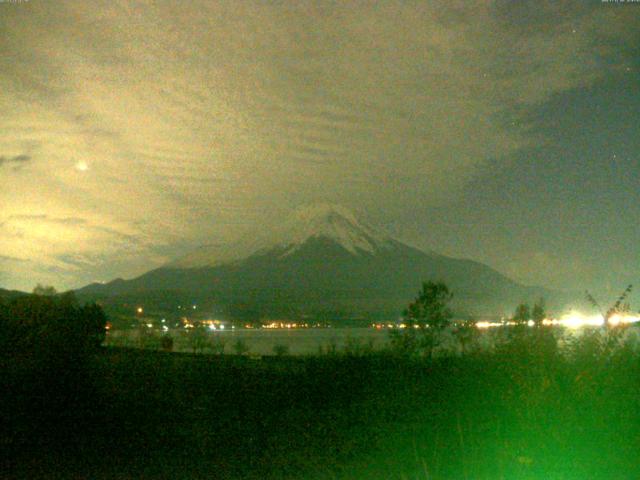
507, 132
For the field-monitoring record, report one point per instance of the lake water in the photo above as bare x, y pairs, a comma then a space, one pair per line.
303, 341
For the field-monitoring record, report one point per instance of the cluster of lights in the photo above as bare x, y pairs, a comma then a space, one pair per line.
623, 319
380, 326
210, 322
576, 320
286, 325
493, 324
192, 306
570, 320
186, 323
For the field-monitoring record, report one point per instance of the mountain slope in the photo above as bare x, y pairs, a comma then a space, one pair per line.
320, 261
10, 294
328, 221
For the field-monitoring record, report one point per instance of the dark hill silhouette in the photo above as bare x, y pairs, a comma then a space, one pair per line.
329, 262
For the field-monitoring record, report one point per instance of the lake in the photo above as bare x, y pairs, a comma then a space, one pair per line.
301, 341
262, 341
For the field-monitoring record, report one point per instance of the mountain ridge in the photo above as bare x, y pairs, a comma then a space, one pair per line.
322, 260
317, 220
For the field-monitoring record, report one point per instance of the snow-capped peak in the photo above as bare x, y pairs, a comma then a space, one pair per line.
333, 222
329, 221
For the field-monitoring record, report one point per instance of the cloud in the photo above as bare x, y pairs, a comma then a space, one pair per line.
47, 218
203, 120
16, 160
6, 258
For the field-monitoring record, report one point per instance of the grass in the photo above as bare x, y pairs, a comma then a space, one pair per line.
516, 413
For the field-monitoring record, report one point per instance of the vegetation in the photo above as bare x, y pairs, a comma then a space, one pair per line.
48, 347
50, 327
510, 414
240, 347
466, 333
218, 345
198, 340
527, 409
539, 312
166, 343
280, 350
619, 306
424, 321
522, 314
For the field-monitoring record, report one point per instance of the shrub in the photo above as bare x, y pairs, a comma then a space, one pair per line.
198, 340
466, 333
331, 348
280, 350
240, 347
358, 347
218, 345
166, 343
148, 338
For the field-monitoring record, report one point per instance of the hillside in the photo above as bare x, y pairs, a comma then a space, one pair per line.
321, 262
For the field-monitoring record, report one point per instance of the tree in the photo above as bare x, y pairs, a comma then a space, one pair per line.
538, 314
51, 326
430, 309
47, 346
45, 291
93, 323
619, 306
166, 343
240, 347
280, 350
430, 315
466, 332
218, 345
522, 314
198, 339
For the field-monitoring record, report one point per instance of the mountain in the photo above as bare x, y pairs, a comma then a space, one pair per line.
321, 262
10, 294
331, 222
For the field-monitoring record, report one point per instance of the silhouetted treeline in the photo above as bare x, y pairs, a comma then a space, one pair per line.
49, 326
47, 356
520, 409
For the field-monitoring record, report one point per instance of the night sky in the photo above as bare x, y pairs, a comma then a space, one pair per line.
506, 132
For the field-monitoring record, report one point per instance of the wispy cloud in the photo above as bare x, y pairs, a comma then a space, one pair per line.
16, 160
194, 122
6, 258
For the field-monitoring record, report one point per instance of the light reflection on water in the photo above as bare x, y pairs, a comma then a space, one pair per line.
307, 341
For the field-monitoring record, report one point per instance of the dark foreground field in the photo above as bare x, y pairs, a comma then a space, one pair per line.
510, 415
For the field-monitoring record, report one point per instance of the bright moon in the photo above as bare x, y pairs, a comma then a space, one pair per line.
82, 166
